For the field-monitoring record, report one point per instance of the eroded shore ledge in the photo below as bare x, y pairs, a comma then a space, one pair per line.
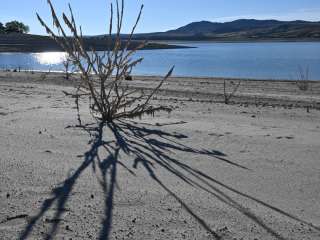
285, 93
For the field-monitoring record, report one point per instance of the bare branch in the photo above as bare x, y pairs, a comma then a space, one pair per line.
102, 75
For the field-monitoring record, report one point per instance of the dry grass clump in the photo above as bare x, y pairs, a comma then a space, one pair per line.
103, 75
303, 82
229, 94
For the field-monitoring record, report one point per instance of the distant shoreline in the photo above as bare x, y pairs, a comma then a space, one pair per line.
158, 45
238, 41
24, 48
154, 45
37, 44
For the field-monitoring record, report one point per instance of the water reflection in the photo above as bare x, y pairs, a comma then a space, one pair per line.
50, 58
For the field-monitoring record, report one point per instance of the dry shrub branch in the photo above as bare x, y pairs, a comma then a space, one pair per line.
103, 75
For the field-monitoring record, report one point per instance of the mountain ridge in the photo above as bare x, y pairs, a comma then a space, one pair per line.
234, 31
241, 29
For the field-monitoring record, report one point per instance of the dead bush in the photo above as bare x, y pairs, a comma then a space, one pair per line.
103, 75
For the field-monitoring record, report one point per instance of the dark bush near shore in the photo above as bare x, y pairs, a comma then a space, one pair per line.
13, 27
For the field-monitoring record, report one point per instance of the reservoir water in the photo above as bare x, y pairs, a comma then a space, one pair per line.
261, 60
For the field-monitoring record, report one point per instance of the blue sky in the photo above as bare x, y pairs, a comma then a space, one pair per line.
160, 15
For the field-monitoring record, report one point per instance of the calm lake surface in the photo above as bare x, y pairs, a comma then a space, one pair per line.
270, 60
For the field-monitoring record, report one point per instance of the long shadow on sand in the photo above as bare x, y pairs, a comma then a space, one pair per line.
148, 147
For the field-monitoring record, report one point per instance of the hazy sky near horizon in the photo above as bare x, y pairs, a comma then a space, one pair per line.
159, 15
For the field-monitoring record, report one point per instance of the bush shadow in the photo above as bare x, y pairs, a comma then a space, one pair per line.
149, 148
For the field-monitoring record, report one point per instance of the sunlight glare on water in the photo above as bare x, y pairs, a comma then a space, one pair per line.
49, 58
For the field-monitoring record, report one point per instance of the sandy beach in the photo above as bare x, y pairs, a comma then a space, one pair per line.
247, 170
